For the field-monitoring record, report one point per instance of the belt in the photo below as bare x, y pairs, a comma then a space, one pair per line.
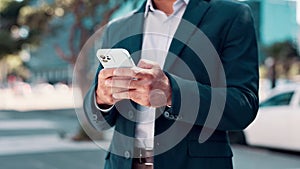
143, 156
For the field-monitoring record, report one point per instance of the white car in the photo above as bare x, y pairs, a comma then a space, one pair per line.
277, 124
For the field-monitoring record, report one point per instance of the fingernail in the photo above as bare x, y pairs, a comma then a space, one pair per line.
136, 69
114, 96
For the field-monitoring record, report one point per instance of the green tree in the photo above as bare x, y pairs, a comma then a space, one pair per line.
20, 25
24, 22
281, 53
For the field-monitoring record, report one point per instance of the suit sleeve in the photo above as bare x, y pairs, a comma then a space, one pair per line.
239, 57
98, 119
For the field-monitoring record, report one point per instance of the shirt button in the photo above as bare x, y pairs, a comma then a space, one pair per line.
166, 114
130, 114
127, 154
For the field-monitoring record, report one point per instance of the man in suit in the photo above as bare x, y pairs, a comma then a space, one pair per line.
183, 87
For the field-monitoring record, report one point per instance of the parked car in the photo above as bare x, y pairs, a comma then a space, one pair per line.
277, 124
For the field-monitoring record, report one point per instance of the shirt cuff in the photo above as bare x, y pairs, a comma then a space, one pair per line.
102, 110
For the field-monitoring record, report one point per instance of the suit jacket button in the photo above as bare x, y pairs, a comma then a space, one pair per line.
166, 114
179, 117
130, 114
127, 154
95, 117
171, 117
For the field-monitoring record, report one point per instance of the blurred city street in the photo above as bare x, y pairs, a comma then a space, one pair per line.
48, 61
41, 139
36, 130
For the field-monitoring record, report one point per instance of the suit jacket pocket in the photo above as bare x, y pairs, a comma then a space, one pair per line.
209, 149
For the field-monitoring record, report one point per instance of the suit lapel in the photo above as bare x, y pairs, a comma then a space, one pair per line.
136, 28
194, 13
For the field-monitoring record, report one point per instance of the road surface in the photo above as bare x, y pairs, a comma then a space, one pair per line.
40, 140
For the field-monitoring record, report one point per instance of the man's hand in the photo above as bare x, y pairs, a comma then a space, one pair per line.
105, 91
146, 85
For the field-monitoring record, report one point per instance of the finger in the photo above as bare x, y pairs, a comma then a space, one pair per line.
139, 73
106, 73
147, 64
103, 82
124, 72
144, 74
124, 84
121, 95
118, 90
140, 85
120, 78
156, 98
105, 97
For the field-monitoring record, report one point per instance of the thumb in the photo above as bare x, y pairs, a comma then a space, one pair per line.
147, 64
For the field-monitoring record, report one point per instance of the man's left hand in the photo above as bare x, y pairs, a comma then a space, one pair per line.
149, 86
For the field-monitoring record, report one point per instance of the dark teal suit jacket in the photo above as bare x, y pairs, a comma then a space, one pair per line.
229, 27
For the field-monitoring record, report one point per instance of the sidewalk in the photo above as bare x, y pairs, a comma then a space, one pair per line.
41, 140
36, 130
50, 152
83, 159
16, 145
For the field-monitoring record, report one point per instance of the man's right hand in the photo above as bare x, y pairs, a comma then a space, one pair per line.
104, 92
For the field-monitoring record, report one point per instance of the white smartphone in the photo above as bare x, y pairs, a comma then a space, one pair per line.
115, 58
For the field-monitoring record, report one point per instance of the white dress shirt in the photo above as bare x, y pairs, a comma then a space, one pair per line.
159, 30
